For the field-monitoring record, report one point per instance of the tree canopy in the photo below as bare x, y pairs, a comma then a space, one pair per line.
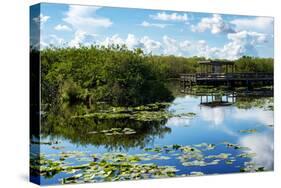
117, 75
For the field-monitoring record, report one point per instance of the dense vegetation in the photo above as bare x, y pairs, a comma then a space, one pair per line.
118, 76
254, 64
114, 75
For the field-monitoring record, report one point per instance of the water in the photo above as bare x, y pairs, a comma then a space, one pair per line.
212, 125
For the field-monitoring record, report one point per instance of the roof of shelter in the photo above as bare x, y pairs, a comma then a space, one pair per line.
216, 62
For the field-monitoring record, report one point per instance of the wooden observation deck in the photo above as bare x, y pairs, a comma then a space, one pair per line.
222, 73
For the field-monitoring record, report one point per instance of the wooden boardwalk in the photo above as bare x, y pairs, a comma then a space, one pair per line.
225, 78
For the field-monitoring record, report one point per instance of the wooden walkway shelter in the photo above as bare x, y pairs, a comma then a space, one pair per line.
223, 73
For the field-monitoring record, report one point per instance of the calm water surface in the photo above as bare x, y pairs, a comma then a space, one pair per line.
212, 125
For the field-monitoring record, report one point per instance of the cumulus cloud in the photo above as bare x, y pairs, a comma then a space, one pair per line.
145, 43
215, 24
41, 19
61, 27
263, 117
261, 24
50, 40
163, 16
262, 145
178, 122
213, 115
243, 43
200, 48
55, 40
81, 37
150, 45
240, 43
147, 24
171, 45
84, 19
185, 46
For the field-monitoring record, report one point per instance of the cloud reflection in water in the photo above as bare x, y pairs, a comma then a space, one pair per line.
262, 145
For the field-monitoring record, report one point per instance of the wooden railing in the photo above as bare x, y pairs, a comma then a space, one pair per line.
227, 76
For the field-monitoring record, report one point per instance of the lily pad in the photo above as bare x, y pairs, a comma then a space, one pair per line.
247, 155
196, 173
219, 156
248, 131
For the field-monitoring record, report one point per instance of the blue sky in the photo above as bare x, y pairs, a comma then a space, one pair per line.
157, 32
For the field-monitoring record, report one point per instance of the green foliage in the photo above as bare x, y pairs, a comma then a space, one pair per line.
114, 75
172, 66
118, 76
254, 64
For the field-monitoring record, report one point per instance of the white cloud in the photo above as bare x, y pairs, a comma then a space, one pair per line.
262, 145
185, 45
252, 38
178, 122
132, 42
214, 115
170, 45
81, 37
150, 45
41, 19
50, 40
263, 117
84, 19
147, 24
163, 16
261, 24
55, 40
240, 43
243, 43
201, 48
215, 24
113, 40
61, 27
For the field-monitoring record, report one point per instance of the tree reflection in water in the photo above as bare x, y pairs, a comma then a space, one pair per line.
58, 123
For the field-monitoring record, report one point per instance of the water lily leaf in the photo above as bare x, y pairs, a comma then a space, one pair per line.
248, 131
251, 167
176, 146
247, 155
194, 163
235, 146
93, 132
229, 162
219, 156
57, 147
196, 173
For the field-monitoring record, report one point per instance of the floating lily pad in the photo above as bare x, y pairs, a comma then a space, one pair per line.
247, 155
206, 146
196, 173
57, 147
252, 167
112, 166
115, 131
219, 156
235, 146
189, 114
248, 131
200, 163
229, 162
